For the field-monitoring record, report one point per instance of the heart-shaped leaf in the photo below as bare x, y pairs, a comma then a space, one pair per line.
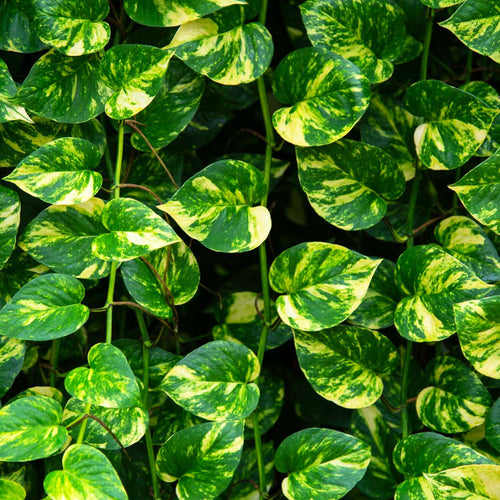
11, 490
11, 361
323, 284
87, 473
46, 308
493, 425
348, 182
60, 172
135, 231
214, 381
30, 428
321, 463
217, 207
10, 216
108, 381
9, 111
325, 96
203, 458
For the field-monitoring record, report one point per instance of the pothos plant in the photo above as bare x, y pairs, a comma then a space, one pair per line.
248, 254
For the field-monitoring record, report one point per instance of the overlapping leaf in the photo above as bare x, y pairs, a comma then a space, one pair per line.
440, 4
435, 281
11, 490
11, 361
217, 207
322, 284
348, 182
493, 425
9, 111
324, 94
10, 216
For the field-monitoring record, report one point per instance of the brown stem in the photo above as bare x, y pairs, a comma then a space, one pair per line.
138, 186
428, 223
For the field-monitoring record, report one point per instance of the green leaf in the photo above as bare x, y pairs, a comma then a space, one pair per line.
323, 284
10, 216
493, 425
46, 308
217, 207
135, 231
180, 93
478, 327
11, 490
173, 12
345, 364
476, 24
214, 381
61, 238
87, 473
65, 89
348, 182
435, 281
223, 48
203, 458
135, 74
73, 28
30, 429
456, 400
108, 381
325, 96
440, 4
60, 172
9, 111
466, 241
162, 278
455, 123
11, 361
127, 424
321, 463
371, 33
479, 191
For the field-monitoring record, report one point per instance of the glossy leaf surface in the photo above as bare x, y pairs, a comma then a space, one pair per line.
11, 490
12, 353
493, 425
10, 216
9, 111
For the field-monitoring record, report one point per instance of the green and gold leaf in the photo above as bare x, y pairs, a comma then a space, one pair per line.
322, 284
348, 182
369, 33
109, 380
478, 327
10, 216
217, 207
202, 458
30, 428
345, 364
9, 111
11, 490
493, 426
135, 231
325, 95
215, 381
46, 308
455, 400
455, 123
73, 28
440, 4
435, 282
323, 464
11, 362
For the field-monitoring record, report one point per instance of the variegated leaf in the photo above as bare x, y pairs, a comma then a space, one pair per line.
223, 48
215, 381
10, 216
479, 191
135, 231
370, 33
60, 172
108, 381
9, 111
202, 458
493, 426
455, 123
61, 238
345, 364
348, 182
30, 428
42, 390
127, 424
440, 4
171, 419
455, 400
217, 207
73, 28
180, 93
11, 490
135, 74
322, 284
173, 12
325, 95
87, 473
65, 89
323, 464
477, 25
11, 361
466, 240
435, 282
478, 327
46, 308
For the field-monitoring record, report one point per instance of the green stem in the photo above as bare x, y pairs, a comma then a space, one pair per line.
260, 455
470, 56
263, 12
152, 466
83, 428
427, 44
54, 359
119, 160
